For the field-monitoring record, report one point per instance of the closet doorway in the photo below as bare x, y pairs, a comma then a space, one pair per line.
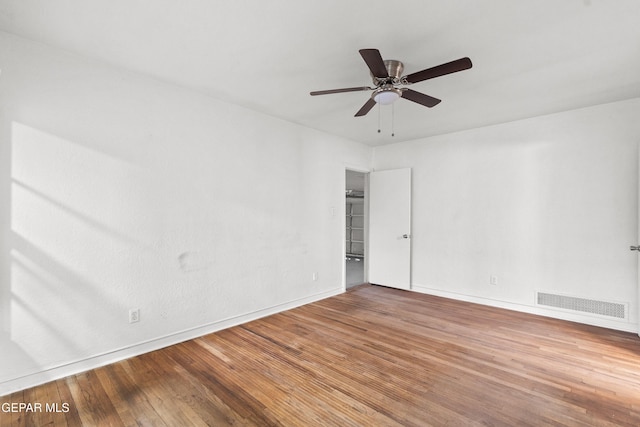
355, 233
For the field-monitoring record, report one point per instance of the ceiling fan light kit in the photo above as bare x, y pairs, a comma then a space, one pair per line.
386, 95
386, 76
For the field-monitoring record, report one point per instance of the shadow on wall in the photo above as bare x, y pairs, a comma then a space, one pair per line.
11, 354
59, 288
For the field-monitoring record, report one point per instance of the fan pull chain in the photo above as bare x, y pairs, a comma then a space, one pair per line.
393, 117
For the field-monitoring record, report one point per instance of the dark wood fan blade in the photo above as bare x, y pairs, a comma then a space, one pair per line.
420, 98
347, 89
375, 63
440, 70
366, 108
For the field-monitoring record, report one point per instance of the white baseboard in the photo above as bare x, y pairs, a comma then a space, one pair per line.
531, 309
93, 362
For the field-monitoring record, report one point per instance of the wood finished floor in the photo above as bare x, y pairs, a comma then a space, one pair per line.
370, 357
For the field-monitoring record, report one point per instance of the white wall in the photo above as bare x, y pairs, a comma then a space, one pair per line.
548, 203
118, 191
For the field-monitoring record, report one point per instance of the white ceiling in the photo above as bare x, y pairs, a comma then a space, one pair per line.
529, 58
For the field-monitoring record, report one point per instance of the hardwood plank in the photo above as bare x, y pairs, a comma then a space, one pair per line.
370, 356
47, 395
160, 394
73, 416
92, 401
9, 418
131, 407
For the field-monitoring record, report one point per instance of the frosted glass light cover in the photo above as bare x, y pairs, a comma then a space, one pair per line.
386, 97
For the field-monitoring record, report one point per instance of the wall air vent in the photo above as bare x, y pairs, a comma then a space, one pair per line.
603, 308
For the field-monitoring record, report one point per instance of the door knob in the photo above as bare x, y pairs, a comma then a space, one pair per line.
635, 248
406, 236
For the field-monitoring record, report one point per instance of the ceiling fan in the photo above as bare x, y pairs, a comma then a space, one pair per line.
386, 78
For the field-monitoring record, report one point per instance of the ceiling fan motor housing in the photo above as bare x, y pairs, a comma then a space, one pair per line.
394, 69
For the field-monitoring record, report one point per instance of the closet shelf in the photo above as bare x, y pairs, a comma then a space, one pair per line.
355, 228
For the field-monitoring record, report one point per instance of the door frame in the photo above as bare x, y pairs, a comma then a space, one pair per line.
344, 223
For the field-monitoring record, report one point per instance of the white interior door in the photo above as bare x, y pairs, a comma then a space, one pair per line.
637, 248
390, 228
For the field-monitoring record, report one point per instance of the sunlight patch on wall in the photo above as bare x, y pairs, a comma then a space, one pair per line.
71, 242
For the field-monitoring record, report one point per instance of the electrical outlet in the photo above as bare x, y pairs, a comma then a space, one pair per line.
314, 276
134, 315
493, 280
